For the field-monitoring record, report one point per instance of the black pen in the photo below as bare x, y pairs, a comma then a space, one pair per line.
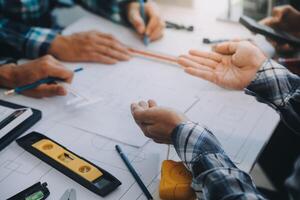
134, 174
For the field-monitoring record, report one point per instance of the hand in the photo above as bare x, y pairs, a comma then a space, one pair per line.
156, 122
91, 46
232, 65
14, 76
155, 27
284, 18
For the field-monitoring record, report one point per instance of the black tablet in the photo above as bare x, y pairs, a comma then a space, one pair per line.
279, 36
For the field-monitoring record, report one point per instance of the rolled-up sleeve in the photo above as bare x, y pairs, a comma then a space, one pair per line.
25, 41
215, 176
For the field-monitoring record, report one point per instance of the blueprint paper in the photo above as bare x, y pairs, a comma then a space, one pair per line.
242, 125
127, 83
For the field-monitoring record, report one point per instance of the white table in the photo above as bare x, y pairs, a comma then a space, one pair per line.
18, 169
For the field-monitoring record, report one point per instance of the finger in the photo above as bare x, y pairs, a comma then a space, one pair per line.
284, 48
206, 75
144, 105
135, 110
139, 107
136, 20
203, 61
144, 117
237, 39
50, 67
227, 48
152, 25
280, 47
105, 35
137, 113
183, 61
278, 12
101, 58
152, 103
111, 42
46, 90
269, 21
272, 42
157, 33
114, 54
210, 55
135, 107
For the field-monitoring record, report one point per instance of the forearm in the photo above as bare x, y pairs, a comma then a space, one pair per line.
24, 41
279, 88
214, 175
112, 10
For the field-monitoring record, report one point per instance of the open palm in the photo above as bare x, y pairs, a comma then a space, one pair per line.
233, 64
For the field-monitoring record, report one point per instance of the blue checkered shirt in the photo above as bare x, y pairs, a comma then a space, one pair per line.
215, 176
27, 28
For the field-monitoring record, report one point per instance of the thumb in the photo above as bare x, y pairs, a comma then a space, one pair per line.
136, 111
279, 11
227, 48
137, 21
46, 90
269, 21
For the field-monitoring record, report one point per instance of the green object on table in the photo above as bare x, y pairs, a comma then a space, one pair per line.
36, 196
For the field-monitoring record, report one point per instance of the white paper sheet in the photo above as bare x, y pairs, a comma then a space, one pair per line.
124, 84
232, 116
17, 164
176, 42
128, 82
238, 120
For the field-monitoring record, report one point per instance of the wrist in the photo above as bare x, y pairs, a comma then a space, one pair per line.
178, 129
265, 87
8, 76
207, 152
259, 61
260, 68
56, 46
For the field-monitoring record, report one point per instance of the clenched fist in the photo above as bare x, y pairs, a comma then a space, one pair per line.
156, 122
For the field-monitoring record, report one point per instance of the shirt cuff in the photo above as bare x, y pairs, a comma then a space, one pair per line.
226, 182
7, 60
38, 41
271, 84
124, 12
199, 149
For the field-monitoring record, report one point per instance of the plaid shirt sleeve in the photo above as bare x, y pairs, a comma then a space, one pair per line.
279, 88
214, 175
114, 10
21, 40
